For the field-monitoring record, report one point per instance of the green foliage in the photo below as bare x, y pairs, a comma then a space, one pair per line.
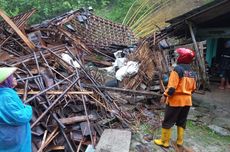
114, 10
205, 134
46, 9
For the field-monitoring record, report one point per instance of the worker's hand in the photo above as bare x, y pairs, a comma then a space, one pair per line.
163, 99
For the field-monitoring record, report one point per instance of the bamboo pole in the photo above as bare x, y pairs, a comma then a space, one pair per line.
136, 12
124, 20
148, 17
55, 92
144, 15
145, 22
43, 142
51, 137
85, 109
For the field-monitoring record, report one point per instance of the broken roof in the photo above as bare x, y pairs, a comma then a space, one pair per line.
212, 15
94, 31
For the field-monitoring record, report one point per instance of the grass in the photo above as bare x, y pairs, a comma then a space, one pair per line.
146, 129
115, 11
205, 133
196, 136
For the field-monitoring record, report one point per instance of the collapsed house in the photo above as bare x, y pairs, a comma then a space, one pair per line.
59, 63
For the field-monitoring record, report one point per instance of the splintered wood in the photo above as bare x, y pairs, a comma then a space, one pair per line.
150, 60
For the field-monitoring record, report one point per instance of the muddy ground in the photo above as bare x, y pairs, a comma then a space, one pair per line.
208, 126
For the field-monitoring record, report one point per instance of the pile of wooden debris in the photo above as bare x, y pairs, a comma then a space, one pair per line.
71, 106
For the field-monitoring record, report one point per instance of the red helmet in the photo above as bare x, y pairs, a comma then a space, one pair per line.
185, 55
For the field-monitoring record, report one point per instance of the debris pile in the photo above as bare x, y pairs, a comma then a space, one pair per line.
71, 107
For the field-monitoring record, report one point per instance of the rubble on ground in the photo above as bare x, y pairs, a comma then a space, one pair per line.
60, 74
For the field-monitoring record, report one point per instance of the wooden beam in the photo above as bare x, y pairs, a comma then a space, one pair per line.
17, 30
72, 120
221, 32
151, 93
198, 55
55, 92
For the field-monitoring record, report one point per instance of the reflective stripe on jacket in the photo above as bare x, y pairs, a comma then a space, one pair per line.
180, 86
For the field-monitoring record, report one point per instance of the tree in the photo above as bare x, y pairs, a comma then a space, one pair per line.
111, 9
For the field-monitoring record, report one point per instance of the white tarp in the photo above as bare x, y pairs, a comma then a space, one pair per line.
125, 67
68, 59
130, 68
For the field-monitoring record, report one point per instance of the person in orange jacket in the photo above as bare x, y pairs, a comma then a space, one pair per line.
178, 97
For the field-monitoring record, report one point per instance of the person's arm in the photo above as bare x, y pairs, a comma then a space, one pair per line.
14, 112
194, 87
172, 84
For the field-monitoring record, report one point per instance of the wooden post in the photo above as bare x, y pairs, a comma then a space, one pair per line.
198, 55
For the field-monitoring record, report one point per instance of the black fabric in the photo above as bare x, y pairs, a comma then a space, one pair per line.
225, 60
226, 75
179, 70
175, 115
184, 70
226, 52
171, 91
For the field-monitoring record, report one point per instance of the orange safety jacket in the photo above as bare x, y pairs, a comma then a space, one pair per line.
181, 85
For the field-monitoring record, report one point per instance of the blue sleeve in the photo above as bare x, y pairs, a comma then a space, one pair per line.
14, 112
179, 70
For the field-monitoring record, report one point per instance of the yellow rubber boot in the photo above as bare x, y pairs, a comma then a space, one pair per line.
165, 137
180, 136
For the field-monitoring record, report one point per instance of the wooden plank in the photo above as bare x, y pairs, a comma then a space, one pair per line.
17, 30
43, 142
114, 140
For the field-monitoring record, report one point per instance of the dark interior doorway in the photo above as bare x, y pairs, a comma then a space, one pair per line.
220, 48
215, 69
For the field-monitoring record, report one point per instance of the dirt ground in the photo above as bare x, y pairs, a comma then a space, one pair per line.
211, 109
197, 139
217, 97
